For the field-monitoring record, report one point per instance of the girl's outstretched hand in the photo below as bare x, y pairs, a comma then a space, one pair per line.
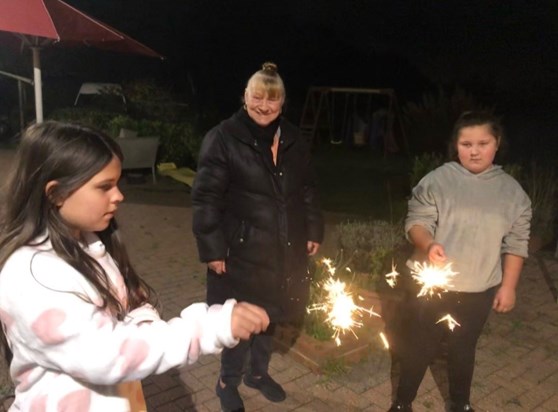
248, 319
436, 253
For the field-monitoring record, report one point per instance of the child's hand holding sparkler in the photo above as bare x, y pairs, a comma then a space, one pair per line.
424, 241
248, 319
436, 253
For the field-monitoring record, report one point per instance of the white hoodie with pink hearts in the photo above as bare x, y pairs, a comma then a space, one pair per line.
70, 354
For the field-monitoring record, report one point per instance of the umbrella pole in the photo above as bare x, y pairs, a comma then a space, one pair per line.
20, 101
38, 84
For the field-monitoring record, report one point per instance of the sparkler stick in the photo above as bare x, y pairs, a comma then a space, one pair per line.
384, 340
452, 323
433, 279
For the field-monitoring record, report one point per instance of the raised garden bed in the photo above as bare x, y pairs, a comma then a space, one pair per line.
317, 354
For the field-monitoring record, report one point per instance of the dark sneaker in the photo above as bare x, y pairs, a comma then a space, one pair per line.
229, 397
401, 407
461, 407
267, 386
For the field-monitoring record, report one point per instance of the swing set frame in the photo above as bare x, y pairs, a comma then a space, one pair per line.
321, 118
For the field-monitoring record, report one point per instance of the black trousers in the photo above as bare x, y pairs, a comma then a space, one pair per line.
254, 353
422, 335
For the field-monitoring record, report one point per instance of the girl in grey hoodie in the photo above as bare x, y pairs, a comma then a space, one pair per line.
473, 214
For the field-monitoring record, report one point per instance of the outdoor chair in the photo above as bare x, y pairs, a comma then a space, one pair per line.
139, 153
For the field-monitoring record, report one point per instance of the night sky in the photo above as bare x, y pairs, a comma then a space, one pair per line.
503, 52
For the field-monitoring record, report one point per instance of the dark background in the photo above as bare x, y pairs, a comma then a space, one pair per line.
505, 53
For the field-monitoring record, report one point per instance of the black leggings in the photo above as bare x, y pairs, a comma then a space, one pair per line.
258, 348
421, 339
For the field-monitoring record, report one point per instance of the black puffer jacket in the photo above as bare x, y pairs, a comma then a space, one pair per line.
256, 217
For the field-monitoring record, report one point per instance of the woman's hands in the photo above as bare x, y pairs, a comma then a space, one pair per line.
312, 248
248, 319
218, 266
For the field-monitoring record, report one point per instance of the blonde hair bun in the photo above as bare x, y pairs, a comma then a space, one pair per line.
268, 81
269, 67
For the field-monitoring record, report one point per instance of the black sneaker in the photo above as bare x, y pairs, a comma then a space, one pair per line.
461, 407
401, 407
267, 386
229, 397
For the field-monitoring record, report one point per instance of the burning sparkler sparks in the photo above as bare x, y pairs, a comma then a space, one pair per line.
391, 277
341, 310
452, 323
432, 279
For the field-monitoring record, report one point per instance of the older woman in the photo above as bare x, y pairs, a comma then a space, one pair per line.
256, 221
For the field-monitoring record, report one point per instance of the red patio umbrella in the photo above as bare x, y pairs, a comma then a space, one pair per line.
40, 23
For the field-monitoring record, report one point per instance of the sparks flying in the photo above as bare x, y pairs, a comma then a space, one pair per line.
432, 279
342, 312
452, 323
391, 277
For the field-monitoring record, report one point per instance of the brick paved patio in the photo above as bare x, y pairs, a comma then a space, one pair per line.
517, 363
517, 359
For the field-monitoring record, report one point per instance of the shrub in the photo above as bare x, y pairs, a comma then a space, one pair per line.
180, 143
541, 184
367, 246
515, 170
314, 321
149, 100
422, 165
98, 119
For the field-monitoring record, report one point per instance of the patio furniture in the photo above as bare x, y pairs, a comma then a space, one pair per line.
139, 153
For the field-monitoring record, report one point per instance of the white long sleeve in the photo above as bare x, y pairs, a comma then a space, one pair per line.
60, 335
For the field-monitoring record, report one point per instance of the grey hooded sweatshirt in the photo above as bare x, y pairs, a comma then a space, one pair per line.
476, 218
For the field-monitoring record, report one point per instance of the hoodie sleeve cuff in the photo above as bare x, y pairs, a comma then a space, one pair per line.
221, 317
145, 313
214, 326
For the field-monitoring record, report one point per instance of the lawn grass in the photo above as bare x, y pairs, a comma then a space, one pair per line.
362, 183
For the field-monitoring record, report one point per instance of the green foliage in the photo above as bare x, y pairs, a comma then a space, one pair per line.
98, 119
541, 185
314, 324
367, 246
180, 143
515, 170
152, 111
335, 367
429, 123
422, 165
540, 182
149, 100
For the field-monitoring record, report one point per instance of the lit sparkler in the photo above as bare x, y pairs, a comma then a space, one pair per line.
341, 310
330, 268
452, 323
384, 340
391, 277
432, 279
